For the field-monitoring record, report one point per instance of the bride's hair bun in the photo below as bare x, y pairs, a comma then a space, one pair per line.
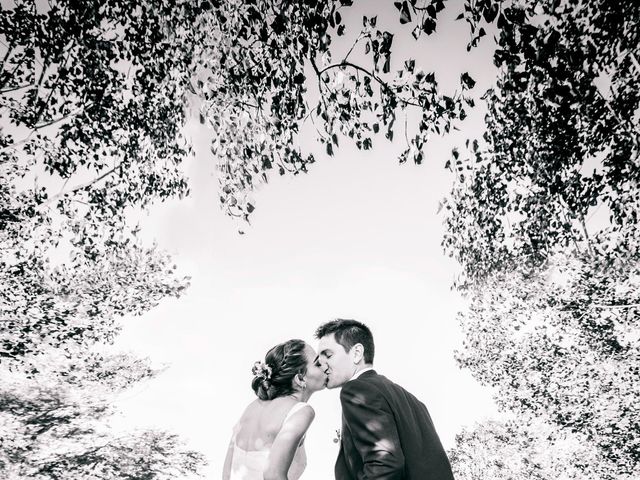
261, 379
273, 378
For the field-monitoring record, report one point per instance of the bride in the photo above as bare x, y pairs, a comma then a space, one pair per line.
267, 441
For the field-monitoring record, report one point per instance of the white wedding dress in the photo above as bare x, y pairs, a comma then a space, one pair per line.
250, 465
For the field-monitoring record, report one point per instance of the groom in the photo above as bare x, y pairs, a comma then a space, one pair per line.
387, 433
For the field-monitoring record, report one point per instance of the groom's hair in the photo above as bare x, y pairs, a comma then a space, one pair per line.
347, 333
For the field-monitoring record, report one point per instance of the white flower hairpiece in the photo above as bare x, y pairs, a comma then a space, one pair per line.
261, 369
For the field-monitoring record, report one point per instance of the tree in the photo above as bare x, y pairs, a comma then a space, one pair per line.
543, 220
561, 139
95, 94
515, 450
560, 345
57, 427
94, 97
58, 383
267, 68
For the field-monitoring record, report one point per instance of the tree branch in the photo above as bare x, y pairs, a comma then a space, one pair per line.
2, 84
634, 60
6, 56
247, 104
82, 186
586, 235
13, 89
39, 127
352, 47
621, 122
381, 82
621, 305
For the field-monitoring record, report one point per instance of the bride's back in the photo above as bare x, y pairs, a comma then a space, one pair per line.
261, 422
268, 439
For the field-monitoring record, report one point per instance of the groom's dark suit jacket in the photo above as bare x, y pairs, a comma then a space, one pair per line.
387, 434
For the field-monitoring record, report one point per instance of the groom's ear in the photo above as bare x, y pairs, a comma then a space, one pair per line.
357, 353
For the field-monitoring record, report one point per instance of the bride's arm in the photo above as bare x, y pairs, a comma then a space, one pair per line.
286, 442
226, 470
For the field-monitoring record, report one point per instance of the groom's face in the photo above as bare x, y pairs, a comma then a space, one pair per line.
337, 362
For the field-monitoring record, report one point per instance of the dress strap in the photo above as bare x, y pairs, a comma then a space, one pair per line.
297, 407
234, 432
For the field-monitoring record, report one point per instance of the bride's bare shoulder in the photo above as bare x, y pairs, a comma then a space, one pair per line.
267, 411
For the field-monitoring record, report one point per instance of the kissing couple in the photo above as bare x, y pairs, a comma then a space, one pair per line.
387, 433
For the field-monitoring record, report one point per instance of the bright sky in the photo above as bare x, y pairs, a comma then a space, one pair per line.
358, 237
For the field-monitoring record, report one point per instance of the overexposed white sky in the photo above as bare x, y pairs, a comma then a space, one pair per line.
358, 237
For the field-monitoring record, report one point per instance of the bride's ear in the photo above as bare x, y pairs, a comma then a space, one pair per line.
300, 381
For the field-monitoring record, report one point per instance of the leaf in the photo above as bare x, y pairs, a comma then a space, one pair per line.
279, 24
329, 149
428, 25
467, 82
405, 15
490, 13
410, 65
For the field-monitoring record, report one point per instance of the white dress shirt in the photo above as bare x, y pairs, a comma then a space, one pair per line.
360, 372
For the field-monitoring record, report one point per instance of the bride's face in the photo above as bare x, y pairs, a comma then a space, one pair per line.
315, 377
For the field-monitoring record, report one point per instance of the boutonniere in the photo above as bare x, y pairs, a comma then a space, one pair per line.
337, 437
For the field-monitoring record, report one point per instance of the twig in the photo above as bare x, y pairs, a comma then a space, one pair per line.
352, 47
634, 60
604, 305
586, 235
13, 89
81, 187
382, 83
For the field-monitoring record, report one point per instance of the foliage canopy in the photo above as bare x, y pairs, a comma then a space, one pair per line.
542, 217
